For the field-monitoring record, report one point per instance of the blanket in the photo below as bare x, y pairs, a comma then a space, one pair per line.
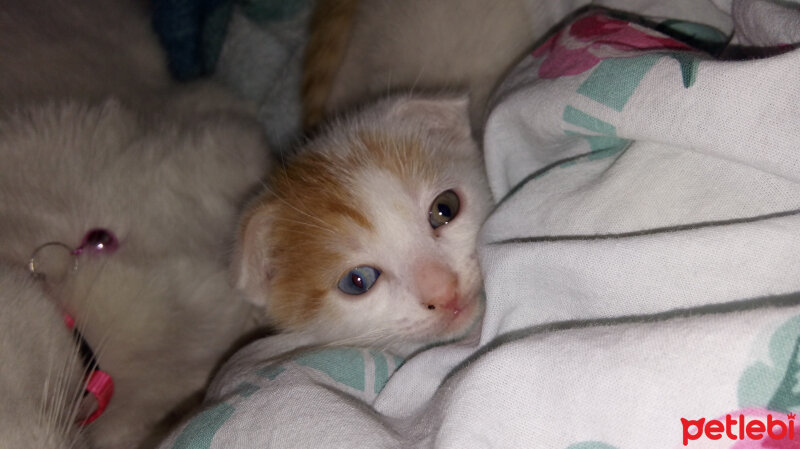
641, 266
254, 47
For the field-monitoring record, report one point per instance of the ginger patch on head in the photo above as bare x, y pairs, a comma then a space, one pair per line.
314, 213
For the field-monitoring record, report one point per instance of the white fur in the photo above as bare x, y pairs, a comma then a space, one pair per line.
392, 314
94, 134
41, 375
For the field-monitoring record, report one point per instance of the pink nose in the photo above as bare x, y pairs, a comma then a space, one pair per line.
438, 287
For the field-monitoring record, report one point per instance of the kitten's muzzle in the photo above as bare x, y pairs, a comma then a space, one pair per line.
437, 286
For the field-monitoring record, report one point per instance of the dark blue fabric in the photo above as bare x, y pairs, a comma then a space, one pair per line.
192, 32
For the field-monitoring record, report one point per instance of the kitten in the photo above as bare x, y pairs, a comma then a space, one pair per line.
93, 134
367, 236
361, 48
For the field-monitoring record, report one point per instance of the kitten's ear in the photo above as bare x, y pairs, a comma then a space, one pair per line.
251, 264
438, 114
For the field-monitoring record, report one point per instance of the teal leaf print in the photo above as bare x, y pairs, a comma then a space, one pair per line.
590, 445
776, 386
788, 394
199, 432
270, 371
689, 65
697, 35
344, 365
615, 80
605, 145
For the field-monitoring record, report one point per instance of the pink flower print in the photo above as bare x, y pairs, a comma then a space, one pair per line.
590, 39
562, 60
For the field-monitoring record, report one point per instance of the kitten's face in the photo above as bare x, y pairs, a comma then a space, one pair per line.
368, 235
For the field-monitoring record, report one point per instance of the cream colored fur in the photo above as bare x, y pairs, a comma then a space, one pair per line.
433, 44
41, 376
94, 134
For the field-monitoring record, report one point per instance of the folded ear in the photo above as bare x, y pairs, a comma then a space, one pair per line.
435, 113
251, 260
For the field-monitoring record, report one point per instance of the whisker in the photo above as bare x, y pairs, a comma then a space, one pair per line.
369, 338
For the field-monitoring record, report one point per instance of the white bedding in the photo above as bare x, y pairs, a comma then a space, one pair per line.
641, 267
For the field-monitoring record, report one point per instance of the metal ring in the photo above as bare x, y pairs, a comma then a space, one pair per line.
32, 261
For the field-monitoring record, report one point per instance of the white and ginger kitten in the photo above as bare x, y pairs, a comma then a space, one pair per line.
367, 235
94, 134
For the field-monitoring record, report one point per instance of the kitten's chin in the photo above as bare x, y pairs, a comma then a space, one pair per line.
459, 324
447, 330
455, 326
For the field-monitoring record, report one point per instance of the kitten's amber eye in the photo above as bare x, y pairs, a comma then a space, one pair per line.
444, 209
358, 280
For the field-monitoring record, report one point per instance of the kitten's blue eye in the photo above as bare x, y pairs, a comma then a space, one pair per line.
358, 280
444, 209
